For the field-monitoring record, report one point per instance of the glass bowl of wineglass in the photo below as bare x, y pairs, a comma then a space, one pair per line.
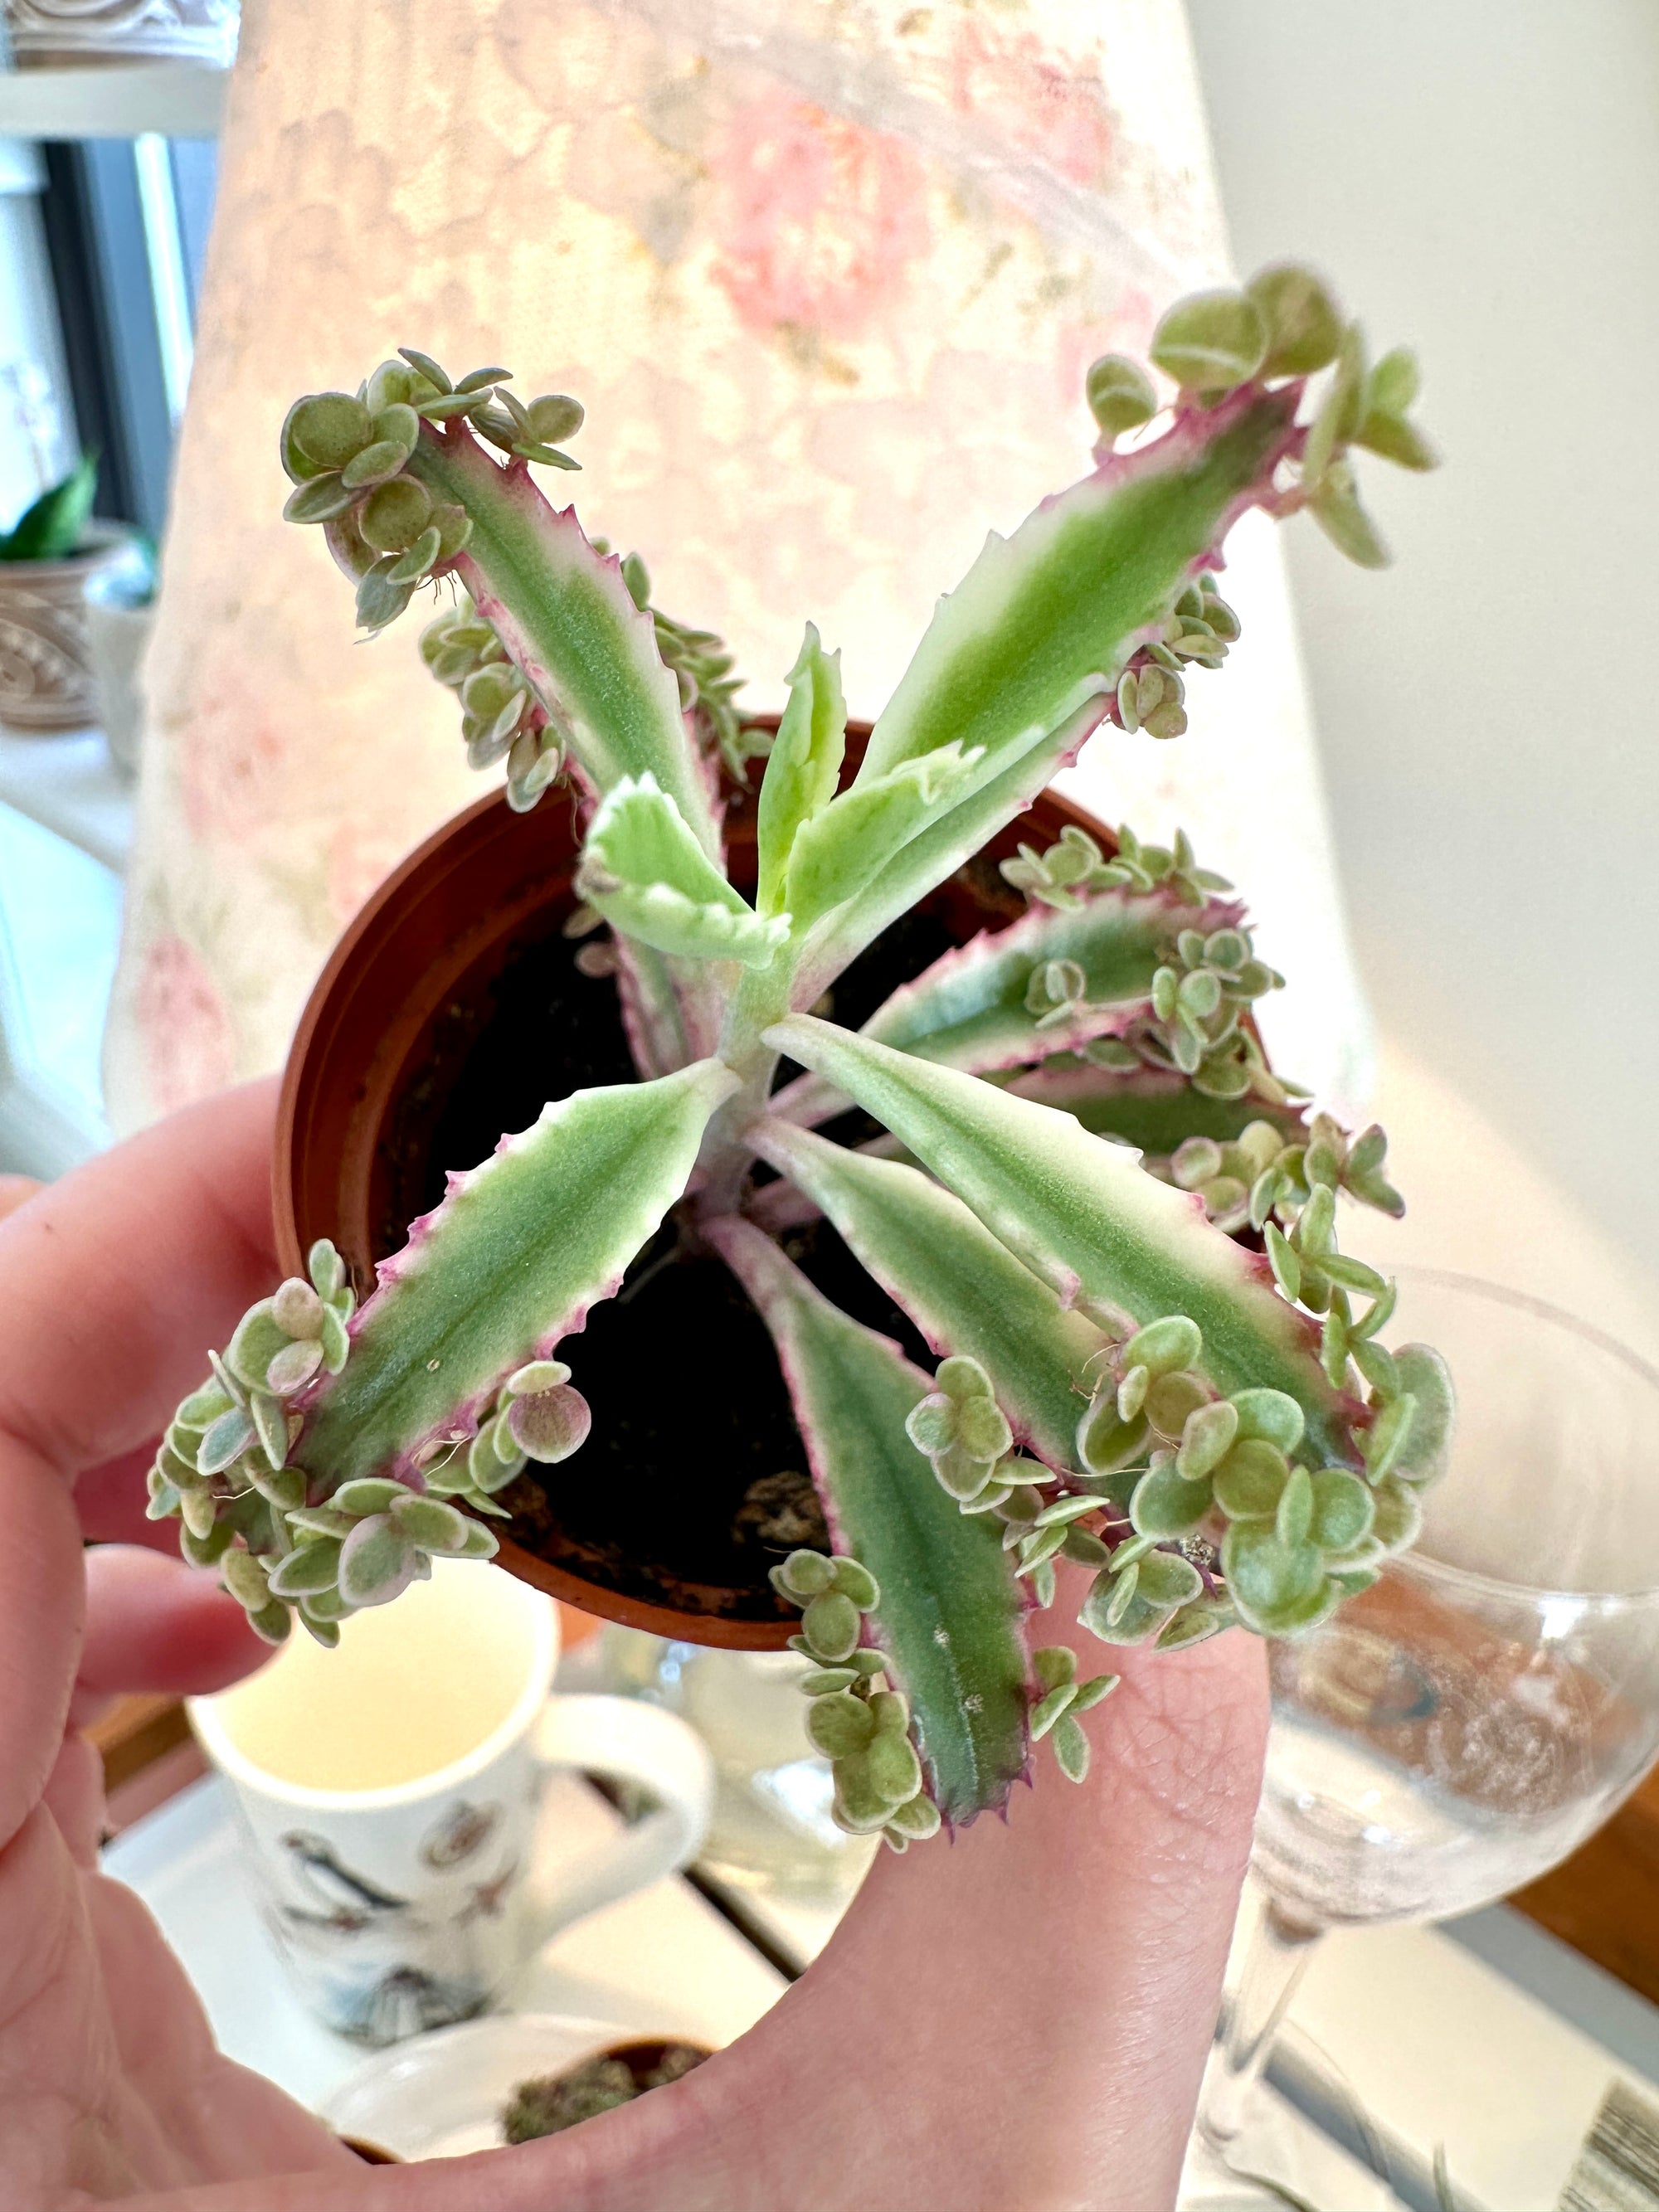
1465, 1724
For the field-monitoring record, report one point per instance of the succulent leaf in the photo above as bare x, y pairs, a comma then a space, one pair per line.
803, 766
975, 1007
378, 1562
1155, 1109
937, 851
657, 1012
1119, 394
565, 617
848, 841
1054, 610
510, 1261
1422, 1373
1211, 341
1304, 326
949, 1615
964, 1291
1082, 1215
1023, 657
644, 870
1335, 506
548, 1425
705, 673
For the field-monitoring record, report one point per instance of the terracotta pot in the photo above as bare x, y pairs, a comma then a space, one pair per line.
366, 1074
45, 672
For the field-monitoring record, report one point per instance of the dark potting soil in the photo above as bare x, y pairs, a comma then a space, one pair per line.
693, 1481
553, 2102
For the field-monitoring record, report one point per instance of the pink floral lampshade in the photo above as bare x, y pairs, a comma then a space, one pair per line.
827, 280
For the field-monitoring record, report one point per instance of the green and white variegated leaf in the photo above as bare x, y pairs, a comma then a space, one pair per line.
519, 1250
1084, 1216
1153, 1109
848, 842
969, 1009
657, 1007
1018, 659
803, 766
1050, 612
671, 1009
644, 870
938, 852
950, 1610
964, 1291
566, 616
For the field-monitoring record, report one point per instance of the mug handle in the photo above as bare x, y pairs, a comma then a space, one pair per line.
625, 1742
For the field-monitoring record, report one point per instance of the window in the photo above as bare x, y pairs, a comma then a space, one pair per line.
101, 246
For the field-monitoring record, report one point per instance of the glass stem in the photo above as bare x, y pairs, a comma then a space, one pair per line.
1274, 1966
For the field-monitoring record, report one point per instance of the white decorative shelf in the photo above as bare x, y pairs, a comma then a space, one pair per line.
69, 786
120, 100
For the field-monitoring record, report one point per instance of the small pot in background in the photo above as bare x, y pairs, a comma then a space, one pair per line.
45, 672
120, 615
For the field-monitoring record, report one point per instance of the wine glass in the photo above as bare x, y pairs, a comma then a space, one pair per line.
770, 1829
1465, 1724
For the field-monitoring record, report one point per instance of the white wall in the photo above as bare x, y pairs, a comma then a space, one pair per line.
1482, 177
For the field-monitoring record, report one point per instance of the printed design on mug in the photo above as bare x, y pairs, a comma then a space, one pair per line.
405, 2002
343, 1902
459, 1835
488, 1898
463, 1830
386, 1967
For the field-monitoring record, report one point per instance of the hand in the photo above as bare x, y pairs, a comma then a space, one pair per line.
1016, 2019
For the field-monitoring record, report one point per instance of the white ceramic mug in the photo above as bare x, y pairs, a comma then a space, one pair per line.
409, 1900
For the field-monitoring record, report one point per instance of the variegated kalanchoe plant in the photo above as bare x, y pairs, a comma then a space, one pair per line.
1155, 1362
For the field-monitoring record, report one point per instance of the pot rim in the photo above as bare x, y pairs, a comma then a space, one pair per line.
289, 1252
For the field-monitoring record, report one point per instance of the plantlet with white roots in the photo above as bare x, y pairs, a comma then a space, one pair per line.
1112, 1222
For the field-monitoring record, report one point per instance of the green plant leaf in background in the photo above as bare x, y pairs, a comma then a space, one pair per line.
52, 530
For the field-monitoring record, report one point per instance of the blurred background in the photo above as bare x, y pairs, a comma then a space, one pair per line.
828, 278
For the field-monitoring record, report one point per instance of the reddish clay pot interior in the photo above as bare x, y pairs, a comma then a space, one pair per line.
388, 1028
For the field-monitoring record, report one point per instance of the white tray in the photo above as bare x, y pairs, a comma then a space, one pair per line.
661, 1960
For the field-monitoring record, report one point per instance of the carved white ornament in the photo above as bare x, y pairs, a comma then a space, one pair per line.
43, 31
